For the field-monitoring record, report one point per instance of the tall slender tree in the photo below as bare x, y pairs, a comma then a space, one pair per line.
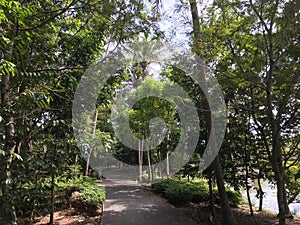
227, 216
254, 46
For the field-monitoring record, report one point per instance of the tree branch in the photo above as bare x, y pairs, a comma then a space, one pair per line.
49, 19
57, 69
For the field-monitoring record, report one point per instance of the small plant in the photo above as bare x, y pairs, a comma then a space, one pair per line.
83, 192
92, 196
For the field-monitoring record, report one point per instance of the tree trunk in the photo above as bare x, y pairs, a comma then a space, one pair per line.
149, 166
9, 214
248, 192
160, 172
276, 156
92, 147
76, 160
260, 192
153, 173
52, 197
141, 159
280, 190
247, 159
212, 199
167, 157
86, 173
168, 165
227, 216
280, 199
288, 213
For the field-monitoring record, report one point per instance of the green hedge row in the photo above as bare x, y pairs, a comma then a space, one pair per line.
180, 192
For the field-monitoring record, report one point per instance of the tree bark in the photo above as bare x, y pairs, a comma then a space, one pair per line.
227, 216
276, 156
9, 214
52, 196
288, 213
167, 165
92, 147
280, 193
260, 192
211, 197
141, 153
149, 166
246, 160
167, 157
248, 193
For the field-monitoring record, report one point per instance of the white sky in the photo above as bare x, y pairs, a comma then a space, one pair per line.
177, 23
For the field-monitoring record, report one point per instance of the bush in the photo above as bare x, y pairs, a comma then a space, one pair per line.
180, 192
234, 197
160, 188
92, 196
88, 196
200, 191
31, 198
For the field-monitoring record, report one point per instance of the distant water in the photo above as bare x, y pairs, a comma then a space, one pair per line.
270, 199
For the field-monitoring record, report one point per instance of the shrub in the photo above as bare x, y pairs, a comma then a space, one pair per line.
234, 198
180, 192
160, 188
92, 196
83, 194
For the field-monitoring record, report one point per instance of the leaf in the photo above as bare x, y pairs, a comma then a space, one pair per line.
17, 156
2, 152
7, 67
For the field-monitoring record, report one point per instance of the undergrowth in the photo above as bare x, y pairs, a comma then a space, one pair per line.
181, 191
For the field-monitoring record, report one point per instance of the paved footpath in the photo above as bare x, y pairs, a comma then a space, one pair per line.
128, 203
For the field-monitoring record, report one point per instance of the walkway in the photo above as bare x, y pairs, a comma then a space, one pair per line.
128, 203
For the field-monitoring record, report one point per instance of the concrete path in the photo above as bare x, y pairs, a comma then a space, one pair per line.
128, 203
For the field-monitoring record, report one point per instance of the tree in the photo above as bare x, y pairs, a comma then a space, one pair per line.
253, 46
45, 47
150, 108
227, 216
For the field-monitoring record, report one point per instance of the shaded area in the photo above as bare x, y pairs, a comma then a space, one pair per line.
129, 203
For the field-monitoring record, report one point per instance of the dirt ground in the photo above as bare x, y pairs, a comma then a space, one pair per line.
201, 214
66, 217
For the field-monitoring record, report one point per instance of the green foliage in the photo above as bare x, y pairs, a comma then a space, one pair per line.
234, 197
32, 196
92, 196
292, 182
65, 182
45, 48
141, 114
252, 49
180, 192
81, 192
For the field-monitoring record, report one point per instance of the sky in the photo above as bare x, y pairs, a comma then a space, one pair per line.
177, 21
